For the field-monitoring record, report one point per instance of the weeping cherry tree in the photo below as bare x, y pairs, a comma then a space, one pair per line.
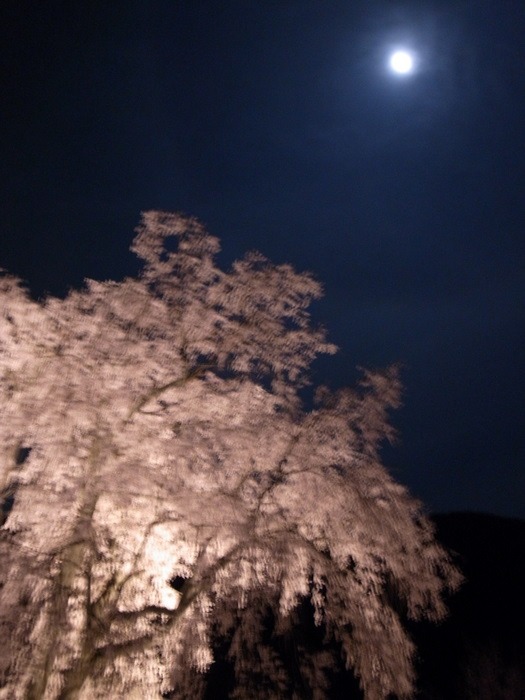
164, 488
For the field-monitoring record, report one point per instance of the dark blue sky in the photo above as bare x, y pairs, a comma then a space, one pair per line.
278, 124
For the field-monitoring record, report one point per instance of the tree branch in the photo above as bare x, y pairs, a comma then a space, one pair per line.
158, 390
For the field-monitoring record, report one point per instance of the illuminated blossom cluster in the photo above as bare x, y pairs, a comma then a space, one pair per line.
163, 485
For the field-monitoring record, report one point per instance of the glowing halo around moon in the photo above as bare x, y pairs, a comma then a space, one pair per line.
401, 62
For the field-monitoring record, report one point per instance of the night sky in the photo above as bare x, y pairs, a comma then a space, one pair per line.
279, 124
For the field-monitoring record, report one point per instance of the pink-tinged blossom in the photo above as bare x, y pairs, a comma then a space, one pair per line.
152, 431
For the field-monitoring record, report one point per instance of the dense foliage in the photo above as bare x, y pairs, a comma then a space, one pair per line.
162, 481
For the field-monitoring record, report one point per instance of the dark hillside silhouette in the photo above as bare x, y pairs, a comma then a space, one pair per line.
479, 650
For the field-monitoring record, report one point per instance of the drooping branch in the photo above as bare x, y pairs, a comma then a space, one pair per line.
157, 391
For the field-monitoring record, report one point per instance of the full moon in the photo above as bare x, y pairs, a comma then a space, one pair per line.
402, 62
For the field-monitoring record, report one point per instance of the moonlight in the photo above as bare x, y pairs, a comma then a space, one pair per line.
401, 62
